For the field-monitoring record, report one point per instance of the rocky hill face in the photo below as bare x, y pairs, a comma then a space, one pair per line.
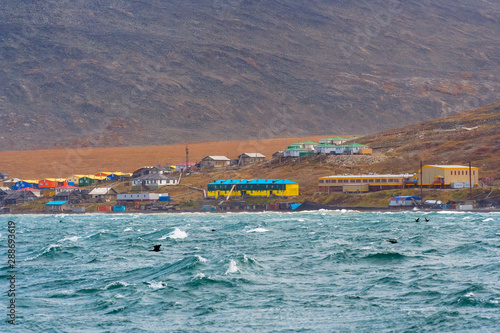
119, 73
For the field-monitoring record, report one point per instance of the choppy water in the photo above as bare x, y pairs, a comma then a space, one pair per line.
257, 272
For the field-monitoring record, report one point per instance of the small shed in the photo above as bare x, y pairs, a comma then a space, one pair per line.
19, 198
57, 206
405, 201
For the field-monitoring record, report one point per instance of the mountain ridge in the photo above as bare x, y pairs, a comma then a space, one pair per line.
98, 74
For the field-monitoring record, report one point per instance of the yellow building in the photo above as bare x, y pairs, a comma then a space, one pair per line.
448, 176
364, 183
252, 187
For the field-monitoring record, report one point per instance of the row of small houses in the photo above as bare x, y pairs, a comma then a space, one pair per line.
326, 146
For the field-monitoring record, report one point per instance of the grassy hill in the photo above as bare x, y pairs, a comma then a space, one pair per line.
140, 73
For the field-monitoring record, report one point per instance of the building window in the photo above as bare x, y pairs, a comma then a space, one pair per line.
353, 180
377, 180
321, 181
358, 180
466, 173
384, 180
370, 180
474, 173
365, 180
333, 181
391, 180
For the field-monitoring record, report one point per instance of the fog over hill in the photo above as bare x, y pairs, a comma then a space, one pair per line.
118, 73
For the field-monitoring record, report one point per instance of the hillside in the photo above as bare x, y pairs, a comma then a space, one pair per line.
140, 73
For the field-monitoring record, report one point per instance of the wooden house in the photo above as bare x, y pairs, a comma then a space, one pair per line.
57, 206
250, 158
103, 194
215, 162
3, 176
19, 198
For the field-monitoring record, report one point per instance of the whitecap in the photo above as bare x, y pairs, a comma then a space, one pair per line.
116, 284
258, 230
157, 285
470, 294
73, 239
199, 276
488, 219
201, 259
176, 234
232, 267
119, 296
127, 229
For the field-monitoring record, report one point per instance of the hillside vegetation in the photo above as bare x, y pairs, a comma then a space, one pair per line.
139, 73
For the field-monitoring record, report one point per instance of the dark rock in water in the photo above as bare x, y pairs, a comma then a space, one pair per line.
392, 241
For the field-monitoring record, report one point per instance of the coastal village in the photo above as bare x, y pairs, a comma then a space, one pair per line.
148, 188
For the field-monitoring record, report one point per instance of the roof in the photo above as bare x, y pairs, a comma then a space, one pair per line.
253, 155
154, 176
297, 148
101, 191
188, 163
449, 166
251, 181
12, 180
28, 189
55, 203
218, 158
355, 145
405, 197
404, 175
309, 143
67, 187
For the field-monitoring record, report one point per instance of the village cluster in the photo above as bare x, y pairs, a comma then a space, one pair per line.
76, 192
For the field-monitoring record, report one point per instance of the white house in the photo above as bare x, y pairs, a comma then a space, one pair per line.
140, 196
155, 181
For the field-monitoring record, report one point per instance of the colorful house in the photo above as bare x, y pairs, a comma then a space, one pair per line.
296, 152
73, 180
52, 182
252, 187
57, 206
24, 184
181, 167
35, 191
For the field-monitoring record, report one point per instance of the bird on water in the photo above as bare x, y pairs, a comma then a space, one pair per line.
156, 248
417, 219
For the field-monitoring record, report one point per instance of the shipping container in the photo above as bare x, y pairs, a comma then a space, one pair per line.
104, 208
78, 209
118, 208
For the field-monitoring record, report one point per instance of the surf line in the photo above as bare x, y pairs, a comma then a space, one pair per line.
11, 263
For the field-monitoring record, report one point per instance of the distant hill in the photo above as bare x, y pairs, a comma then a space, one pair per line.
128, 73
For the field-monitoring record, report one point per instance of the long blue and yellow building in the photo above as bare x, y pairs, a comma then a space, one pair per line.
252, 187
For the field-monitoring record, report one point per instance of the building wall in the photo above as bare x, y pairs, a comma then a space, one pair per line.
290, 190
450, 174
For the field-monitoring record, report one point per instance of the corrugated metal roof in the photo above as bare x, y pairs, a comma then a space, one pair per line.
218, 158
449, 166
253, 154
55, 203
251, 181
100, 191
405, 175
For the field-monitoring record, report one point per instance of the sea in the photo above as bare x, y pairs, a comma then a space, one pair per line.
317, 271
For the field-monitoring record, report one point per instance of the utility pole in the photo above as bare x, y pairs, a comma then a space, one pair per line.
421, 191
470, 180
187, 159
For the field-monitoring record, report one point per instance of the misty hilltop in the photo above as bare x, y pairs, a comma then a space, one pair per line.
120, 73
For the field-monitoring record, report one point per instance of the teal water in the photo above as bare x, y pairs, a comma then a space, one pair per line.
325, 271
